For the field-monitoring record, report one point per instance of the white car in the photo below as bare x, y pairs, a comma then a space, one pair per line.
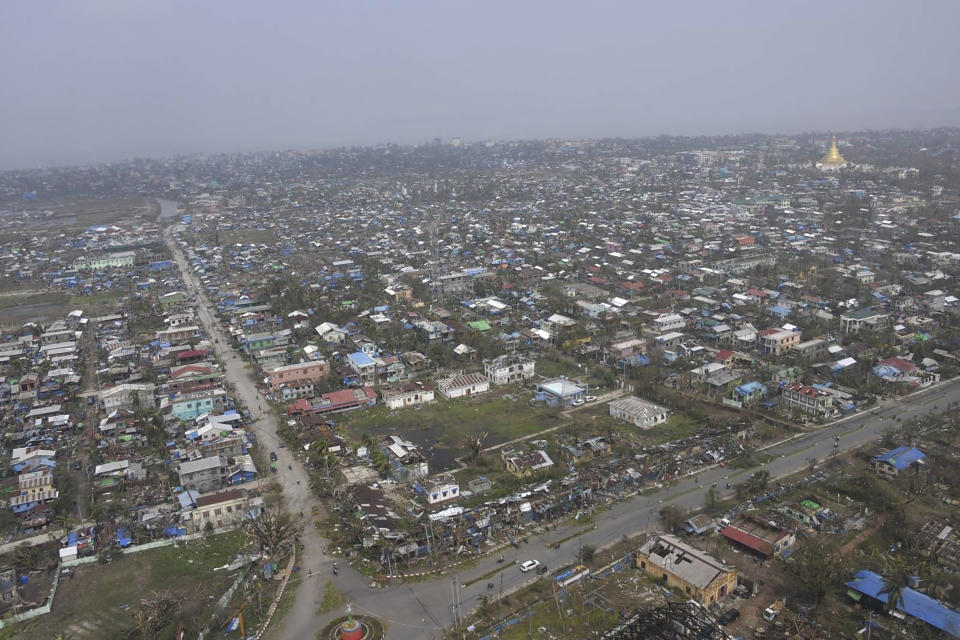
591, 398
577, 402
528, 565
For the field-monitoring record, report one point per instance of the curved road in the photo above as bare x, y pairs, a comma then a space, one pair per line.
422, 610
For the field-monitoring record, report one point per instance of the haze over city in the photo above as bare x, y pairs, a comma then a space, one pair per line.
106, 80
433, 320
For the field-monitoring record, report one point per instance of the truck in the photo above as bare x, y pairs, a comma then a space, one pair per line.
771, 612
273, 467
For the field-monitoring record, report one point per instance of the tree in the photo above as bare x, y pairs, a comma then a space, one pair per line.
26, 559
367, 442
273, 530
816, 566
587, 553
711, 502
672, 517
475, 446
894, 583
380, 462
758, 481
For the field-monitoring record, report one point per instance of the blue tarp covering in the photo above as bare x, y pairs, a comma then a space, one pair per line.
901, 457
911, 602
123, 538
883, 371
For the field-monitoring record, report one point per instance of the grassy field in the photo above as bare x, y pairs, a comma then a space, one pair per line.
57, 215
18, 307
446, 425
99, 601
676, 427
247, 236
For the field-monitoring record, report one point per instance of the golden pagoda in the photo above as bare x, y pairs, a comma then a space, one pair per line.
833, 160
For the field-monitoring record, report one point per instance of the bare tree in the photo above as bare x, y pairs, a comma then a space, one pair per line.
156, 611
273, 530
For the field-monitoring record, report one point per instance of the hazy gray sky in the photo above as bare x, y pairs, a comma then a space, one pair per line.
99, 80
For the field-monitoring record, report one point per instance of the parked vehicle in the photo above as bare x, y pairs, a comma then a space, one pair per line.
729, 616
771, 612
273, 456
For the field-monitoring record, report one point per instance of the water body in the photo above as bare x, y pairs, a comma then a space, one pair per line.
168, 208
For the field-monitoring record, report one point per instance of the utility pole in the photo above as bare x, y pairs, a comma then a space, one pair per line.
563, 621
500, 596
453, 603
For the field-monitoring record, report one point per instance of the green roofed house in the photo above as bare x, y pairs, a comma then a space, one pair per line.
479, 325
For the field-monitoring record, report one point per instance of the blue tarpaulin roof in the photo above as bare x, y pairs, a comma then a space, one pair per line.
911, 602
901, 457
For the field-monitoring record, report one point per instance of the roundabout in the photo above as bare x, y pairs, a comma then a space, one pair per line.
351, 627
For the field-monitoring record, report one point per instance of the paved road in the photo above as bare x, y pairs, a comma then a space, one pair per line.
421, 610
300, 621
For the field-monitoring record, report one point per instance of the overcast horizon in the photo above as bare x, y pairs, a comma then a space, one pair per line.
106, 80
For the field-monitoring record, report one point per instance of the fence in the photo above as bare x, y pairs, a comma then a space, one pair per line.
45, 608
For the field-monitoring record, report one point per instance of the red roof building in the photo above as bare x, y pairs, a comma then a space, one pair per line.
724, 356
901, 365
761, 536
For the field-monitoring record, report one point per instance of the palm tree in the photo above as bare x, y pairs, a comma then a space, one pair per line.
896, 574
367, 442
26, 559
381, 463
759, 481
894, 585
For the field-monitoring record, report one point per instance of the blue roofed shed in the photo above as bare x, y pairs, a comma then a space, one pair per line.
901, 458
920, 606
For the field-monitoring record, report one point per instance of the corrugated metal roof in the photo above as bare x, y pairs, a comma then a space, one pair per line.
912, 603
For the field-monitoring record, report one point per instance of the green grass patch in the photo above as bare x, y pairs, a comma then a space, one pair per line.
91, 603
583, 621
331, 599
572, 535
549, 368
284, 605
488, 574
19, 307
678, 426
247, 236
99, 299
450, 423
